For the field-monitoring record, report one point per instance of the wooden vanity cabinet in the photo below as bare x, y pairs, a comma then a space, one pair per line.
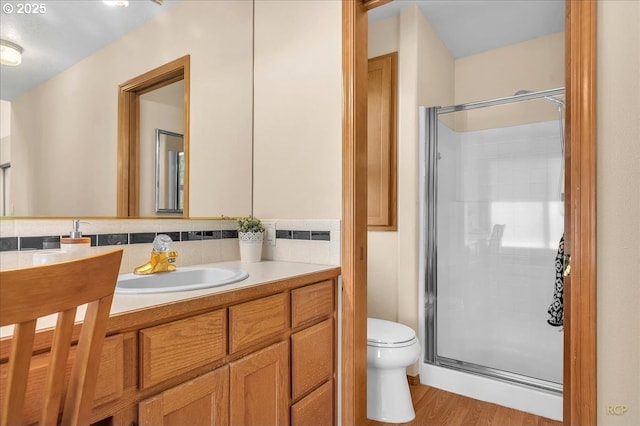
290, 381
264, 355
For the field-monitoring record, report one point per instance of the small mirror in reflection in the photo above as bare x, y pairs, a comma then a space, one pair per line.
169, 172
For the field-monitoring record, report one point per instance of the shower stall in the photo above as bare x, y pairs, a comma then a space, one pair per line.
491, 220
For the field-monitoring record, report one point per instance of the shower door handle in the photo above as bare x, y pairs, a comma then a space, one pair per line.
566, 265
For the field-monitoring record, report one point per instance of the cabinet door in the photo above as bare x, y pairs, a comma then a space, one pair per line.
311, 358
382, 186
315, 409
260, 387
201, 401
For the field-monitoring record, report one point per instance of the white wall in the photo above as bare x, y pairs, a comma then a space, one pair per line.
618, 210
298, 115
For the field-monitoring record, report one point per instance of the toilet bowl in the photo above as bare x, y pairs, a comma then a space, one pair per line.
391, 348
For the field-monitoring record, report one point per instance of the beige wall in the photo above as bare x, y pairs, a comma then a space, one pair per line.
72, 118
5, 152
618, 210
426, 80
536, 64
382, 247
5, 119
392, 256
298, 115
533, 65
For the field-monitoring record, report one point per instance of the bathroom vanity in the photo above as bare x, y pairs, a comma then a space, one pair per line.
260, 351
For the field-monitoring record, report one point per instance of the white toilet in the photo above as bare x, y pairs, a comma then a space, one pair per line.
391, 348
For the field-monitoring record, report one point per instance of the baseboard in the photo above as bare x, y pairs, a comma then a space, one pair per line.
413, 380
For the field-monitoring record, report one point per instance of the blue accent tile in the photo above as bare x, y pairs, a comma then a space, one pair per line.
8, 243
191, 236
175, 236
141, 237
94, 239
301, 235
211, 235
280, 233
321, 235
39, 243
226, 233
113, 239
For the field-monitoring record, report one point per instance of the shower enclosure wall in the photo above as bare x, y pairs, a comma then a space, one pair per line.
491, 223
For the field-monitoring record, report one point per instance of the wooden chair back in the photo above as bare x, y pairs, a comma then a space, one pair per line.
30, 293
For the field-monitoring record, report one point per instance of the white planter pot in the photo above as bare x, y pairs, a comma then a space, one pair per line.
250, 246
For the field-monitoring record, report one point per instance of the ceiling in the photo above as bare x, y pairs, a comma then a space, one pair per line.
68, 31
468, 27
71, 30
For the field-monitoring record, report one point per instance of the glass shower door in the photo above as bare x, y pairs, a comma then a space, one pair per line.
499, 220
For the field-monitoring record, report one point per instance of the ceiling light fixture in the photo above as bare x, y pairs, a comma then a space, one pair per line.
122, 3
10, 53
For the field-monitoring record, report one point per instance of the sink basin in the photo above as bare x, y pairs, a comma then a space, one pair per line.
183, 279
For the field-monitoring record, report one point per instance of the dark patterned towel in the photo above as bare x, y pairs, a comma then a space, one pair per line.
556, 308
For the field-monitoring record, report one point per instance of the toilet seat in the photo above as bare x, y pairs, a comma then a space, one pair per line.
388, 334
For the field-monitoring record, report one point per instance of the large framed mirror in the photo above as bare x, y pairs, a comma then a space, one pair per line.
63, 130
170, 172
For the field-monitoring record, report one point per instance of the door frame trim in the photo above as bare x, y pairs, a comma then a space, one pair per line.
354, 213
580, 347
129, 92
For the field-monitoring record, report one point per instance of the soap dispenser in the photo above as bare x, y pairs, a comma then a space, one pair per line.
75, 244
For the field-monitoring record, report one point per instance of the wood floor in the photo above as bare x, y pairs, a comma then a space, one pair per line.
439, 408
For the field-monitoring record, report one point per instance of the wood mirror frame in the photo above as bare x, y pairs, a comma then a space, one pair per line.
580, 204
129, 92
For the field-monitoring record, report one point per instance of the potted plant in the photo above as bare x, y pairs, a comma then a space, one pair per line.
250, 236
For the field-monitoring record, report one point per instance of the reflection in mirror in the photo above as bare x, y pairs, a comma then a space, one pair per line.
169, 172
61, 136
153, 100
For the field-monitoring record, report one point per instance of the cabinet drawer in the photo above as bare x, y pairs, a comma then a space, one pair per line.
316, 409
311, 358
170, 349
311, 303
256, 321
109, 386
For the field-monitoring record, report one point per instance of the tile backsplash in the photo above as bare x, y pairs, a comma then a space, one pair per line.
196, 241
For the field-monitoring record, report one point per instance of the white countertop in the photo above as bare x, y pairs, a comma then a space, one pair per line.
259, 274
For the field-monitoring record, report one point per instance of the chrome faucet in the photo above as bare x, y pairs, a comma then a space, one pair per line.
162, 260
